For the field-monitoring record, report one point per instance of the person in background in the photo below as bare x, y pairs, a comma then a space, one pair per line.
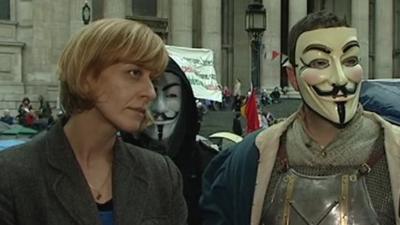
80, 172
237, 93
173, 133
227, 98
237, 125
201, 110
7, 118
26, 116
45, 117
275, 95
25, 106
44, 108
263, 119
331, 162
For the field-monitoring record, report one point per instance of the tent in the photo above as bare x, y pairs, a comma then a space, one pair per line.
382, 97
9, 143
4, 126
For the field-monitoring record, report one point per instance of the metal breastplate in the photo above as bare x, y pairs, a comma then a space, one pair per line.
340, 199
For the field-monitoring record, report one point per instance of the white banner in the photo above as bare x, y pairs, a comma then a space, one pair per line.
198, 65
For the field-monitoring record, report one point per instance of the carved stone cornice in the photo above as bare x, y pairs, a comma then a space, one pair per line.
158, 25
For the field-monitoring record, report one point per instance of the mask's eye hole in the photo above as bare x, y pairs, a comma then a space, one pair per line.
351, 61
172, 95
319, 63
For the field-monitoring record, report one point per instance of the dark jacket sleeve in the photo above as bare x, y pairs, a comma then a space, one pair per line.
228, 185
177, 210
215, 200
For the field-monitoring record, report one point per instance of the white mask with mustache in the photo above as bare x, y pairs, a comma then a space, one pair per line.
166, 107
328, 72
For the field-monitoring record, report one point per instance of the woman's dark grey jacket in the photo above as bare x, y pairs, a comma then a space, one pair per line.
41, 183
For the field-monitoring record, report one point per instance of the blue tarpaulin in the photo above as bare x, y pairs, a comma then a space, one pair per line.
9, 143
382, 97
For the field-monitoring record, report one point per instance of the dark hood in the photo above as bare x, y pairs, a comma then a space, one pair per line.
181, 143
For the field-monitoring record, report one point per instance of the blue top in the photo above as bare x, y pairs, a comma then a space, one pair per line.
106, 217
106, 213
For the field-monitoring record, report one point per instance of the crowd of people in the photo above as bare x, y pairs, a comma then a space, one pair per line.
125, 150
39, 119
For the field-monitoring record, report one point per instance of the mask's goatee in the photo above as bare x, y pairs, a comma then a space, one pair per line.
160, 132
341, 111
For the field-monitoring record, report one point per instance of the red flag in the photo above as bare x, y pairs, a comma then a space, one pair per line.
253, 123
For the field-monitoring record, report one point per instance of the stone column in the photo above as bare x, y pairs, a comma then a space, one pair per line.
359, 20
297, 10
181, 22
75, 15
51, 31
162, 8
271, 69
115, 8
383, 40
211, 31
241, 46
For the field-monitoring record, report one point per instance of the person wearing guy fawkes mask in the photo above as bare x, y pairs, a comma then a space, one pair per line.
173, 133
329, 163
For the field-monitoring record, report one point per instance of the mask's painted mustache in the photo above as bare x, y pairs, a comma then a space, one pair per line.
335, 90
163, 116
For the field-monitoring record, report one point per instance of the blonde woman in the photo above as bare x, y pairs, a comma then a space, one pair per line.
79, 172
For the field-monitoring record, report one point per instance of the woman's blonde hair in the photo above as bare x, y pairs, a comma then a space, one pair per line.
100, 45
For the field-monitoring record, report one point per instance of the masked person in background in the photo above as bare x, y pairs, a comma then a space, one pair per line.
329, 163
173, 133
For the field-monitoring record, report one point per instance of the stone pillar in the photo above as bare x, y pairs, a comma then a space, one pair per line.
51, 31
75, 16
115, 8
162, 8
359, 20
211, 31
271, 69
241, 47
297, 10
181, 22
383, 40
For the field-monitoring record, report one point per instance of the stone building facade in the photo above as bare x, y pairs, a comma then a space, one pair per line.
33, 33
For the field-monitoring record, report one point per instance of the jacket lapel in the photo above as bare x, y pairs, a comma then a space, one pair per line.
129, 186
66, 179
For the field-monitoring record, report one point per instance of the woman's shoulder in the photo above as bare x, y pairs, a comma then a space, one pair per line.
153, 162
154, 167
143, 153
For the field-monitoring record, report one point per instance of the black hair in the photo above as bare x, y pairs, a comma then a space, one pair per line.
313, 21
26, 99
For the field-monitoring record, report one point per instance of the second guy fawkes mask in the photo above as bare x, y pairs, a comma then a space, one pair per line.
328, 72
166, 107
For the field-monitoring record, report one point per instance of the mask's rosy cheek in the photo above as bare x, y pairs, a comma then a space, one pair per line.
354, 73
313, 76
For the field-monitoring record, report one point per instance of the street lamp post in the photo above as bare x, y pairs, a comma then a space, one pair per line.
255, 24
86, 13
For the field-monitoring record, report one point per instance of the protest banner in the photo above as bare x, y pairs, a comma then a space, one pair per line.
198, 65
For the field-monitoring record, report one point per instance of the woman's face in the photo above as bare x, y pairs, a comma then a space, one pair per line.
124, 92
